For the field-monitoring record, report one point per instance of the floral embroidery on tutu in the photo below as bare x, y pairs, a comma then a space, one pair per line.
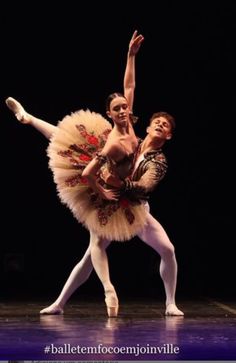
79, 155
107, 208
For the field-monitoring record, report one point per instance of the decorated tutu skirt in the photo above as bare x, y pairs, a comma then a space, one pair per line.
77, 140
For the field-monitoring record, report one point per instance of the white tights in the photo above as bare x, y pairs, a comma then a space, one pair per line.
155, 236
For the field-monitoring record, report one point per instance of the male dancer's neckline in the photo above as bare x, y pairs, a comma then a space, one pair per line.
147, 150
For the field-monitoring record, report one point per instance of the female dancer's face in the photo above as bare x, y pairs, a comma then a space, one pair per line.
119, 111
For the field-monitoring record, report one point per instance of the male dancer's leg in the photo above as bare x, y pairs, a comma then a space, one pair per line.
155, 236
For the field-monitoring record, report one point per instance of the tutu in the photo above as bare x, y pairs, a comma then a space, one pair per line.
77, 140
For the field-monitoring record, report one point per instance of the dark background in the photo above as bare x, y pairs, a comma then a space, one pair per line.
58, 60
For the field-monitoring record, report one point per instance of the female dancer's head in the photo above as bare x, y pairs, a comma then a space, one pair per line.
117, 109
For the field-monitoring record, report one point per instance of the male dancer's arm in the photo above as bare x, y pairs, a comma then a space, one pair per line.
148, 173
146, 176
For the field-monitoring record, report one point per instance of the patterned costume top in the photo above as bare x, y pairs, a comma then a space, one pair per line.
78, 139
150, 171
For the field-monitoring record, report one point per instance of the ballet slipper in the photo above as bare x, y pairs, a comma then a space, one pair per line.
112, 303
53, 309
172, 310
18, 110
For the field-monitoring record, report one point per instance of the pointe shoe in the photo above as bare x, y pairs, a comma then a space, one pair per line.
112, 304
53, 309
172, 310
18, 110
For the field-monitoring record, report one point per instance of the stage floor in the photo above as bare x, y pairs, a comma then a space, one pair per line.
141, 332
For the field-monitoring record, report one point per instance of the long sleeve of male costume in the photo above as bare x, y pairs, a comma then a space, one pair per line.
150, 171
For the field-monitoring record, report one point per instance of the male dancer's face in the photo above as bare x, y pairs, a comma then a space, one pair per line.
160, 128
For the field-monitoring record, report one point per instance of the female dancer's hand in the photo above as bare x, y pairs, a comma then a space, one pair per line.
110, 178
135, 43
109, 194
